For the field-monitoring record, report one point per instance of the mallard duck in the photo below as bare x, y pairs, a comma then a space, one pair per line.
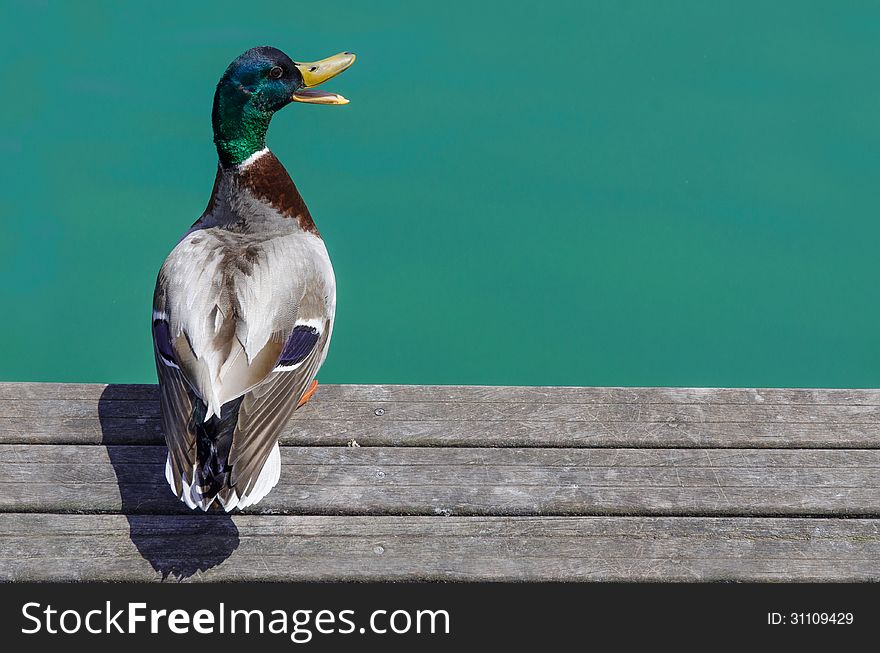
244, 304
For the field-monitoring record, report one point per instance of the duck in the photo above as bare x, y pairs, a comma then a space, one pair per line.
244, 304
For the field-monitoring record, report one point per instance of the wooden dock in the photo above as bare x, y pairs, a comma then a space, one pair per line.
459, 483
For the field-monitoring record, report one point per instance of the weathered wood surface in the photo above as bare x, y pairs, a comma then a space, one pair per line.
467, 481
486, 393
478, 416
109, 547
459, 483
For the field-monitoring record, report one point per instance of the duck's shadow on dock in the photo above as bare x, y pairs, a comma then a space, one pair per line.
176, 541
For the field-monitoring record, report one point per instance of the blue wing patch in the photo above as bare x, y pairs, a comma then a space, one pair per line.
162, 338
298, 346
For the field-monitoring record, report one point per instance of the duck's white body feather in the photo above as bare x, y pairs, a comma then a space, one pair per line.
231, 309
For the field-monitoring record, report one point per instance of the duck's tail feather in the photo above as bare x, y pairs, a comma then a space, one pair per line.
212, 472
213, 441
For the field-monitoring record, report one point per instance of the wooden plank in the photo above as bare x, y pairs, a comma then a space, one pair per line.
504, 411
373, 431
279, 548
478, 416
126, 420
431, 481
477, 394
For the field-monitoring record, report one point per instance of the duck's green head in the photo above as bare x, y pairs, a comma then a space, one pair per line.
256, 85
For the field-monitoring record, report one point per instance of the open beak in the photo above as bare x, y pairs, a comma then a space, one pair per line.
318, 72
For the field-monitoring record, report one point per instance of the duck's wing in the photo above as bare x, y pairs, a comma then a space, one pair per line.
254, 456
176, 401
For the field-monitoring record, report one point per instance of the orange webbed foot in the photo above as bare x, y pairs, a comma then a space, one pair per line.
308, 394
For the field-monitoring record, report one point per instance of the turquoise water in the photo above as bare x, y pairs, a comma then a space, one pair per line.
605, 193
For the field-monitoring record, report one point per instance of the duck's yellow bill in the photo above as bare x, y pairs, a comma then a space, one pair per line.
318, 72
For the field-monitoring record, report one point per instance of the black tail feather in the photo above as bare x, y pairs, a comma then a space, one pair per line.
213, 441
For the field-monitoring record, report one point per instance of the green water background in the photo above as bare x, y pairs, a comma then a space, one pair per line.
584, 193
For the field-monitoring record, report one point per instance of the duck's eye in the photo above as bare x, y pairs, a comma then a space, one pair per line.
276, 72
